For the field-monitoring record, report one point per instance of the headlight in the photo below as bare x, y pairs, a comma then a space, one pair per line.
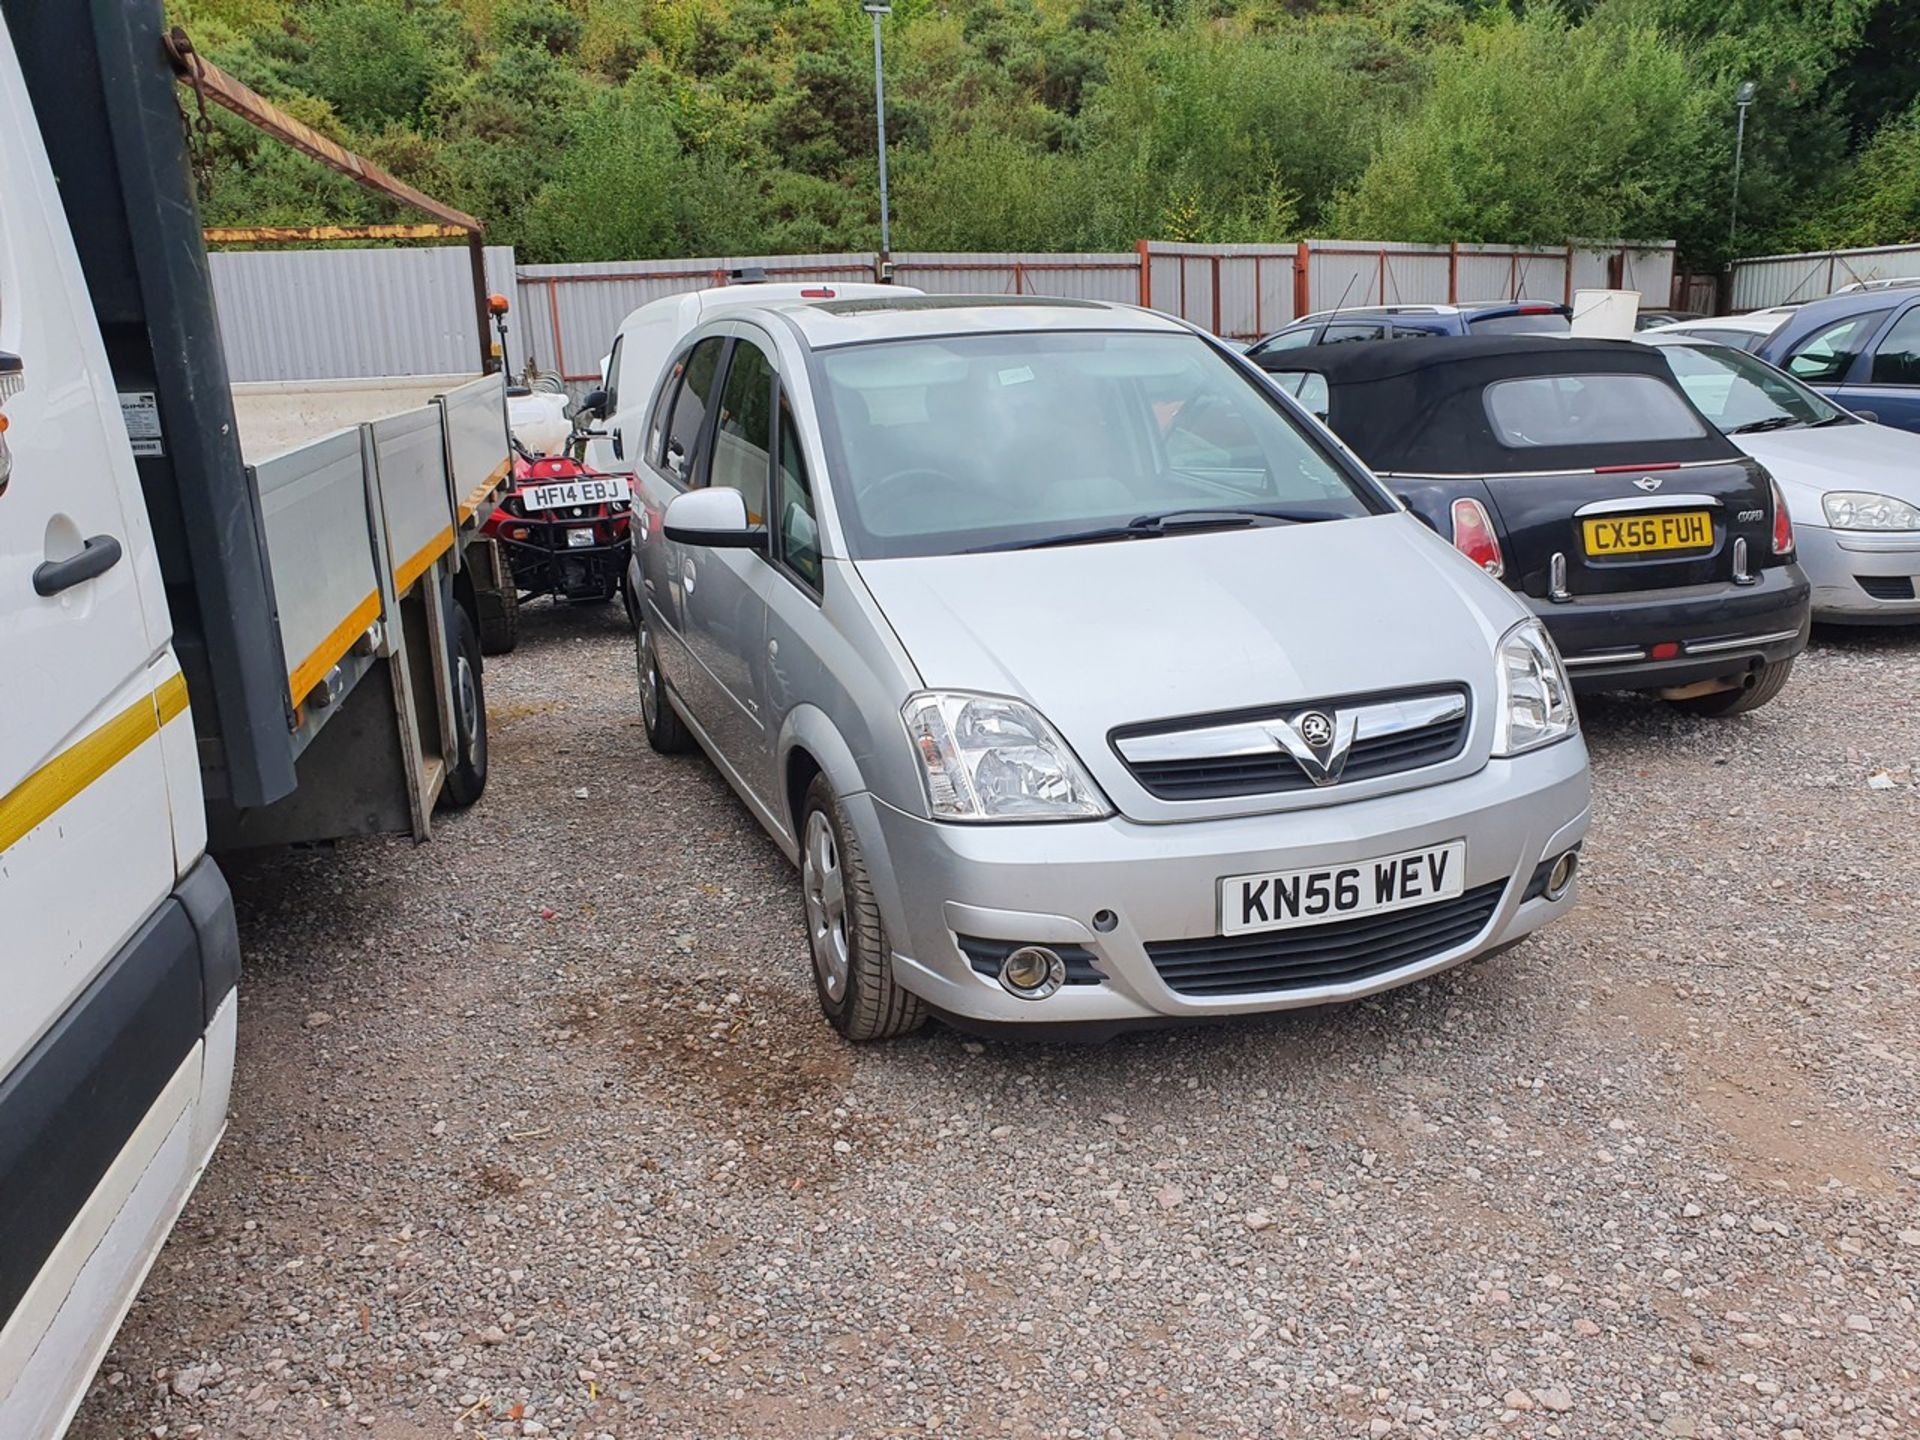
1536, 702
987, 758
1860, 510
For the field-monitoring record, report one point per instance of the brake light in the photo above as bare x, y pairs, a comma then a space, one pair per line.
1782, 521
1537, 310
1623, 469
818, 292
1474, 537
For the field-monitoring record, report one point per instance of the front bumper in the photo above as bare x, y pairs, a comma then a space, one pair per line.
1837, 561
1045, 883
1722, 631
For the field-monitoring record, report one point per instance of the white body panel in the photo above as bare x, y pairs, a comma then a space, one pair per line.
101, 810
650, 334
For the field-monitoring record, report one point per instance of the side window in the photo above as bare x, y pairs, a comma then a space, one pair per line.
1897, 361
1285, 340
745, 429
1829, 353
613, 376
799, 527
1340, 334
1309, 388
689, 411
1413, 332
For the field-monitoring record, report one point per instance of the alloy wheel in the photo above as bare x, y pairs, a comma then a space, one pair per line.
825, 891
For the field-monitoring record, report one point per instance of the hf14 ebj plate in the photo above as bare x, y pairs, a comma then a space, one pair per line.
587, 490
1280, 899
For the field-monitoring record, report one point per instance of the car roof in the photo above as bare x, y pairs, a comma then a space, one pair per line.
1759, 322
1383, 359
1418, 407
1464, 307
831, 323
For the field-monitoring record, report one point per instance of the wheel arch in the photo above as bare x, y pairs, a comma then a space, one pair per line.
811, 745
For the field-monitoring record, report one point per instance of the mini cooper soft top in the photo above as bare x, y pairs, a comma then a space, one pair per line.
1659, 556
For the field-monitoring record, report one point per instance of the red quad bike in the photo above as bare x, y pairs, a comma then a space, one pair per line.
565, 533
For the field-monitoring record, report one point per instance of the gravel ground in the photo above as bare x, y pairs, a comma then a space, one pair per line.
537, 1131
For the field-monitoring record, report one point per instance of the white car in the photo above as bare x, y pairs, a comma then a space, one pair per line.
653, 332
1852, 486
1742, 332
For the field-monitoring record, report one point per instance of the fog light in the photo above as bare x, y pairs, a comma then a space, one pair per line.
1560, 877
1032, 972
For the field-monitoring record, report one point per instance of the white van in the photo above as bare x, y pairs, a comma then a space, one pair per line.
650, 334
118, 953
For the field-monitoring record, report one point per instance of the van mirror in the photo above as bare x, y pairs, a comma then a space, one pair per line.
594, 403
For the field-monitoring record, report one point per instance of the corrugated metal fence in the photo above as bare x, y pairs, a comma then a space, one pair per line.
340, 314
1783, 279
337, 313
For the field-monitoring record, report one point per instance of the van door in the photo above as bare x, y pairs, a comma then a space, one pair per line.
86, 842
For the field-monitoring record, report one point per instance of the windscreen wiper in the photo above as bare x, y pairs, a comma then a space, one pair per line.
1772, 422
1149, 527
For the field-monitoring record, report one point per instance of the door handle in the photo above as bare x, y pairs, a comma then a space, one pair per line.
99, 555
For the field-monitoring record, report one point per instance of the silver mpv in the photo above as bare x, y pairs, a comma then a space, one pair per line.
1087, 680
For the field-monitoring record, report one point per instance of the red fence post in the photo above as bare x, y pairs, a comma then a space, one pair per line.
1146, 273
1453, 272
1216, 294
1569, 286
1302, 291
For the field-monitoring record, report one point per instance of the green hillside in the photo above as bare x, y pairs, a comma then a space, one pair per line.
617, 129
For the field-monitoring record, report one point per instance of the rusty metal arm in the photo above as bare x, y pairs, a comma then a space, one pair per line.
294, 234
209, 82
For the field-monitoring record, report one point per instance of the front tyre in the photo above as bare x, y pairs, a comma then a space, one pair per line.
1767, 683
467, 775
666, 732
852, 963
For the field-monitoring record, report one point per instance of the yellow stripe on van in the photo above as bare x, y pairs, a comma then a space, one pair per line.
39, 796
312, 670
415, 567
474, 501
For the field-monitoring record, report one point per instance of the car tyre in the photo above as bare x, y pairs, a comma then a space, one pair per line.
1772, 677
846, 940
500, 620
666, 731
467, 775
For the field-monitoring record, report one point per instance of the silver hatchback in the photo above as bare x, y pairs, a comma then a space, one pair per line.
1086, 679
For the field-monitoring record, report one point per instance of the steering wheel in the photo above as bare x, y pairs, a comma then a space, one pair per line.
910, 481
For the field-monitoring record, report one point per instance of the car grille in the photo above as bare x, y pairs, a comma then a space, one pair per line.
1339, 952
1392, 735
1887, 587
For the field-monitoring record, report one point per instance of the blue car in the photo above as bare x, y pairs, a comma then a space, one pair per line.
1862, 348
1405, 322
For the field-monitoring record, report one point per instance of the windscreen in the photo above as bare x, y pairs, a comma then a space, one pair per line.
1601, 409
1545, 322
995, 441
1742, 395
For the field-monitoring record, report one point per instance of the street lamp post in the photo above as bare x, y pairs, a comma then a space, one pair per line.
877, 8
1742, 98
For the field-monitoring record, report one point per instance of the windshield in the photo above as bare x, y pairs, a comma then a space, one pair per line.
1740, 393
1539, 322
1002, 441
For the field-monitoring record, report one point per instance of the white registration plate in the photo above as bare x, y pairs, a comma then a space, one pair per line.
1280, 899
587, 490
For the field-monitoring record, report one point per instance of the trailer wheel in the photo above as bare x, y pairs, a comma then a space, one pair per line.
499, 619
467, 774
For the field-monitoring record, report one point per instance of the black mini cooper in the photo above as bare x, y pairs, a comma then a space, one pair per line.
1658, 555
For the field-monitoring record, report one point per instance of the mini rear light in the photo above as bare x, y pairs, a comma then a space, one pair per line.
1474, 537
817, 292
1782, 521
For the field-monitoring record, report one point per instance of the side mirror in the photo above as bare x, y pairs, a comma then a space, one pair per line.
715, 517
594, 403
1872, 417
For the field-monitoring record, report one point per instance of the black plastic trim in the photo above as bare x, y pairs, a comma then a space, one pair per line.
69, 1108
